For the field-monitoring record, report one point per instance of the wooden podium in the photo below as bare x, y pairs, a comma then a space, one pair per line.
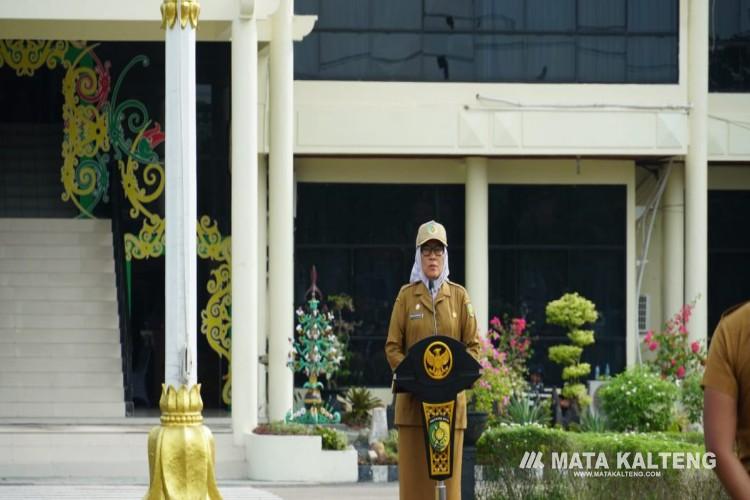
435, 370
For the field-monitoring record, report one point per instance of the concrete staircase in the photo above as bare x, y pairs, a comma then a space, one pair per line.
117, 449
59, 326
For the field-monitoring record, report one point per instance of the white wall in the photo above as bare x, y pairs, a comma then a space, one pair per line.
729, 127
447, 118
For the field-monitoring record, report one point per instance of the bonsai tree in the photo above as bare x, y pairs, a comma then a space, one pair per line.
572, 311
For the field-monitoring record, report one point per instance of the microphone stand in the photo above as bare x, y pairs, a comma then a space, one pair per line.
440, 491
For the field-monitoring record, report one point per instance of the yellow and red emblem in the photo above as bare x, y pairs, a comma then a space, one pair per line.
438, 360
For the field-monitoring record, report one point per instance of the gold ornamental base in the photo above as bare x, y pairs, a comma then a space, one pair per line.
181, 452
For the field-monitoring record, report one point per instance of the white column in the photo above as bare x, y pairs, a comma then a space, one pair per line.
673, 237
262, 284
244, 228
477, 238
180, 210
696, 171
631, 301
281, 216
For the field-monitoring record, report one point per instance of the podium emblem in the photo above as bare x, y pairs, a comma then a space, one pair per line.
440, 434
438, 360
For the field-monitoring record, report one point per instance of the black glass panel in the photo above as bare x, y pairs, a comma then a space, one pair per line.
549, 240
729, 46
603, 41
360, 237
499, 15
602, 15
728, 252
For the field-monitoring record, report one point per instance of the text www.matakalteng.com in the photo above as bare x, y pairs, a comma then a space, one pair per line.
616, 473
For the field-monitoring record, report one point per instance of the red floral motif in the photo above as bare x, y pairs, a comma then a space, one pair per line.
154, 135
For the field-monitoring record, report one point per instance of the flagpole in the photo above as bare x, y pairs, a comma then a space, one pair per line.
181, 449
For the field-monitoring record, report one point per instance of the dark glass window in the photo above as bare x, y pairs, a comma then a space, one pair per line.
549, 240
729, 46
587, 41
360, 237
728, 252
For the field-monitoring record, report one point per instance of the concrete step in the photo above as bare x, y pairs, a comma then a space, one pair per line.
60, 365
41, 450
97, 436
47, 308
21, 225
61, 395
36, 349
83, 252
133, 470
54, 409
54, 379
59, 326
59, 336
58, 279
105, 265
56, 294
58, 321
55, 239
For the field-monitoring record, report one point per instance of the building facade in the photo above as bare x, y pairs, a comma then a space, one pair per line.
575, 145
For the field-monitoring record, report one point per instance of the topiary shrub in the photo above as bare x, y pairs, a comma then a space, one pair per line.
572, 311
638, 400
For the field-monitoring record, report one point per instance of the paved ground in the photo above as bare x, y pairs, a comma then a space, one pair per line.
61, 490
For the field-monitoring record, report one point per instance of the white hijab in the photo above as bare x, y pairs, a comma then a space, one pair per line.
418, 275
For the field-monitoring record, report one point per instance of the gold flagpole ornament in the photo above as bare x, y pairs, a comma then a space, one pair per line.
181, 451
168, 13
189, 11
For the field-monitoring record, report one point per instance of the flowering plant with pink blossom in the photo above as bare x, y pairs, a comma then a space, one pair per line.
511, 336
502, 356
675, 356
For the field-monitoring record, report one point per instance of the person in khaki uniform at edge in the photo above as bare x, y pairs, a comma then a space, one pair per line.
411, 321
726, 400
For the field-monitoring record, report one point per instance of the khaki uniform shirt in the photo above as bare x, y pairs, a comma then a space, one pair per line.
728, 369
412, 321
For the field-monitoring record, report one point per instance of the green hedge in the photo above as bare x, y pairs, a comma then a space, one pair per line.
500, 450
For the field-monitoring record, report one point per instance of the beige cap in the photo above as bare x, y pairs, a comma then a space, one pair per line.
431, 231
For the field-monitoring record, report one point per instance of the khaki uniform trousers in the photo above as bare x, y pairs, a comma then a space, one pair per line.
413, 480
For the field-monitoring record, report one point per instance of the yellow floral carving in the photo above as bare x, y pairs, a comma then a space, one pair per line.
27, 56
150, 240
216, 318
85, 132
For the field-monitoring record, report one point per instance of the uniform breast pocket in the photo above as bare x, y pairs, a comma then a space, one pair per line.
415, 322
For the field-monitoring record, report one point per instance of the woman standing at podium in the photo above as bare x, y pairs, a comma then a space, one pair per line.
412, 320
